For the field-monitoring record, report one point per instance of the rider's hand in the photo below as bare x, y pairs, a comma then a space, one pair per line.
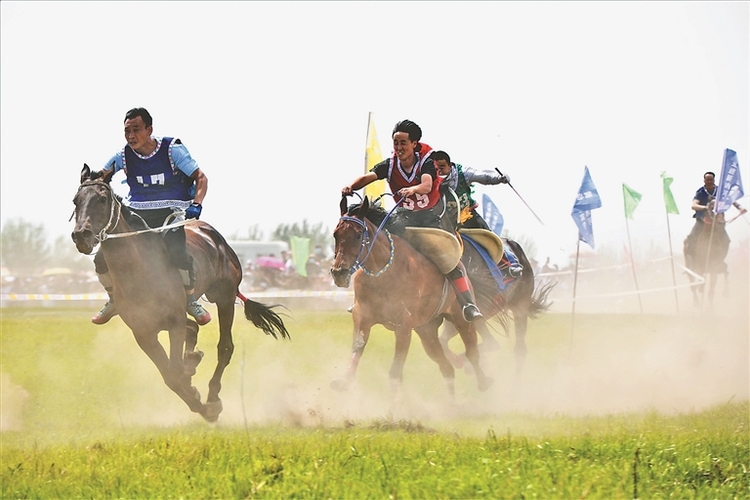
346, 191
505, 179
193, 211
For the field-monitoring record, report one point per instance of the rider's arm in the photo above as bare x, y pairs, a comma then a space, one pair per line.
486, 177
201, 186
424, 187
359, 183
697, 205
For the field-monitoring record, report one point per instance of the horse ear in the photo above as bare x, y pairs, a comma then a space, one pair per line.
85, 173
108, 177
364, 208
343, 206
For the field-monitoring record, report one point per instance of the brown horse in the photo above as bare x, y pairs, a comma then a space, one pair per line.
397, 287
149, 292
706, 258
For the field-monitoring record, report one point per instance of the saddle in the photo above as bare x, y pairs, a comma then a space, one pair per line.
439, 246
489, 240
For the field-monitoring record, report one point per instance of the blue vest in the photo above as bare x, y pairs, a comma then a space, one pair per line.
155, 182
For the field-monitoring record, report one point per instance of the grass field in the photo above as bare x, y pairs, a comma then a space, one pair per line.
614, 406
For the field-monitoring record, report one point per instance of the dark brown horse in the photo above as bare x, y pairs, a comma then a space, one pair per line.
149, 292
397, 287
519, 298
706, 258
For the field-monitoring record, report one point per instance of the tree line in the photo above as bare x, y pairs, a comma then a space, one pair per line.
26, 250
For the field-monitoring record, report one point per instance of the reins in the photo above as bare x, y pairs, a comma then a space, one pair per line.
366, 243
114, 219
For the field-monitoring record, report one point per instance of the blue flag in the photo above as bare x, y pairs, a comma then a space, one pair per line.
587, 199
730, 182
492, 215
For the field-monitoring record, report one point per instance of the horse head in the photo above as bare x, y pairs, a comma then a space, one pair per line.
350, 238
95, 206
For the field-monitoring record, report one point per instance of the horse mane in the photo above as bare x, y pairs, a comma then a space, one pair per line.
376, 214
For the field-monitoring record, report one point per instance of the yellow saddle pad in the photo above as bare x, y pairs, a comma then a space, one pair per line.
489, 240
441, 247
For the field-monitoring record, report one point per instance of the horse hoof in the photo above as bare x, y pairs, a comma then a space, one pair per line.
485, 384
212, 411
339, 384
192, 360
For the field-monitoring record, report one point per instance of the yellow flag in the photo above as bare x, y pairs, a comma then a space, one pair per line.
373, 156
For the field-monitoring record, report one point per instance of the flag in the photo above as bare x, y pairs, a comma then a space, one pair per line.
730, 182
492, 215
300, 253
668, 198
587, 199
631, 198
373, 156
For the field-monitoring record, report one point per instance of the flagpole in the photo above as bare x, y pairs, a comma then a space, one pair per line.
671, 258
575, 284
632, 265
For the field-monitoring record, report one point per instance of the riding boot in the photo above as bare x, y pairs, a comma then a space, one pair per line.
109, 310
193, 308
461, 285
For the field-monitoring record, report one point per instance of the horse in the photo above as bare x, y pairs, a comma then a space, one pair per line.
149, 292
520, 299
399, 288
706, 258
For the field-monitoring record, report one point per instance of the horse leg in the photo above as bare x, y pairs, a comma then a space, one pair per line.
174, 379
489, 343
225, 350
361, 335
449, 331
469, 336
192, 357
396, 373
520, 321
436, 351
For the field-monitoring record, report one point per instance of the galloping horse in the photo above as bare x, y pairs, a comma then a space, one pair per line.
519, 296
707, 256
399, 288
149, 292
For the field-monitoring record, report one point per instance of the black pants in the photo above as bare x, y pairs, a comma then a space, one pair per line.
476, 222
174, 238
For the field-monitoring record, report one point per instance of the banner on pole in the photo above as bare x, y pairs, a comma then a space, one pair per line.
587, 199
300, 253
730, 182
669, 202
373, 156
492, 215
631, 198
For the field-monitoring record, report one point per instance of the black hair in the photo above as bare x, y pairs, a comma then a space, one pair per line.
440, 155
411, 128
142, 112
712, 174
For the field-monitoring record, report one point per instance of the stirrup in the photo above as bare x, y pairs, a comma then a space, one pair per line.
515, 270
471, 312
105, 314
196, 310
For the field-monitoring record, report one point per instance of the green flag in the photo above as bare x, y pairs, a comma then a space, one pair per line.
668, 198
631, 198
300, 253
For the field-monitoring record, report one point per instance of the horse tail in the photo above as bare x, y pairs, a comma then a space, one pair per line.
263, 317
539, 300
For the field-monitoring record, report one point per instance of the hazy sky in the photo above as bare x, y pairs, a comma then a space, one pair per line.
272, 99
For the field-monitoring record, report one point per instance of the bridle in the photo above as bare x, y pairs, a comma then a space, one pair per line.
366, 244
115, 213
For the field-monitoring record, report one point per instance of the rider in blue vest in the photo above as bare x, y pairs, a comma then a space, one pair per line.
164, 182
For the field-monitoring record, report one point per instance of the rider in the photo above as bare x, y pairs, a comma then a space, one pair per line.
461, 179
701, 205
413, 180
163, 179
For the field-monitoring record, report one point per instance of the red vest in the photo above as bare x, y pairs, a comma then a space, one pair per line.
398, 179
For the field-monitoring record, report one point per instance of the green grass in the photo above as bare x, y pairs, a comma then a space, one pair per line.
86, 415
